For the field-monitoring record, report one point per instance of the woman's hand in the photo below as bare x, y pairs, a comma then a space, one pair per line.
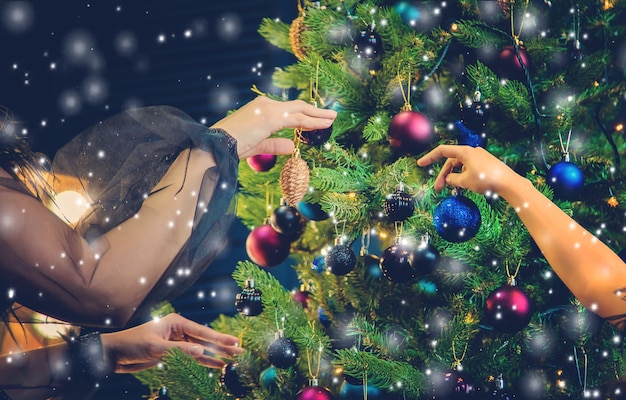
142, 347
481, 171
253, 124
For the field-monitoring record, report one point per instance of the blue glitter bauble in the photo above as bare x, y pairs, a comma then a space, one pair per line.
469, 137
566, 179
457, 219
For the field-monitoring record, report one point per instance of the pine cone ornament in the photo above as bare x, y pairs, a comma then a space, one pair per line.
295, 35
294, 179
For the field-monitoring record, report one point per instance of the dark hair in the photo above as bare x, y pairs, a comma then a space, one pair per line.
18, 159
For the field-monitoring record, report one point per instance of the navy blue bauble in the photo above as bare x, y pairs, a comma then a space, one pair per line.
457, 219
286, 220
399, 206
395, 264
316, 137
475, 116
566, 179
282, 352
368, 45
340, 259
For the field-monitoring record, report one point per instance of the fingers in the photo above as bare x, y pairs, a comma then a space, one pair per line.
442, 151
271, 146
445, 172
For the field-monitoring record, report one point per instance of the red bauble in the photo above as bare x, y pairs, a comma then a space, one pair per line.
411, 132
509, 65
262, 162
508, 309
266, 247
315, 393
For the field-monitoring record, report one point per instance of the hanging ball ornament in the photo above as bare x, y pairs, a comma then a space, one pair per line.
314, 392
470, 138
230, 379
410, 132
457, 218
340, 259
509, 65
248, 302
424, 258
566, 179
475, 114
286, 219
452, 385
368, 46
395, 264
349, 391
312, 211
508, 309
262, 162
316, 137
162, 394
268, 378
282, 352
294, 179
399, 205
266, 247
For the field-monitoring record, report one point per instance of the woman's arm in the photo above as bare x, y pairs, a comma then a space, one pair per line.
52, 269
41, 373
589, 268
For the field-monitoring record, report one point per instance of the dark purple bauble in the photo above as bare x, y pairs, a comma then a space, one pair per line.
316, 137
315, 393
262, 162
367, 45
475, 116
340, 260
399, 206
286, 220
457, 219
508, 309
282, 352
509, 65
266, 247
162, 394
349, 391
566, 179
395, 264
424, 259
452, 385
230, 380
410, 132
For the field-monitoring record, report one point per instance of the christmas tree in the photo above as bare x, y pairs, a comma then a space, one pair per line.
407, 292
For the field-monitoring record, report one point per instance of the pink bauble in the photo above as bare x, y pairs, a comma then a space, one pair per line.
508, 309
411, 132
266, 247
262, 162
315, 393
509, 65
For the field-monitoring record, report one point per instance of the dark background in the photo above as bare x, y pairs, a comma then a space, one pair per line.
66, 65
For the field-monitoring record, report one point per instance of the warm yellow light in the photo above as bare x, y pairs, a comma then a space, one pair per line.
70, 206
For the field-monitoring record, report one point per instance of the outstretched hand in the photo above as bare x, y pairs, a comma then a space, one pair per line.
143, 346
253, 124
481, 171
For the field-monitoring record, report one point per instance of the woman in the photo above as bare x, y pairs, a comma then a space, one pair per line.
590, 269
160, 187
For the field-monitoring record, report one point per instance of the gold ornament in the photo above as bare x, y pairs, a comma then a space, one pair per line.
295, 34
612, 201
294, 179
